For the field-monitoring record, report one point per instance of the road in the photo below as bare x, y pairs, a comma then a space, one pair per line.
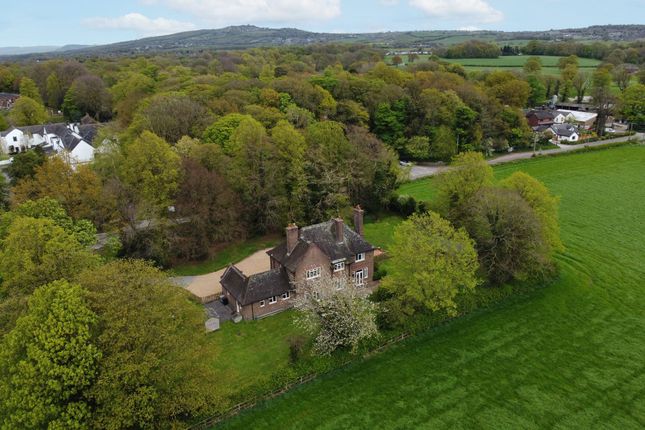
421, 171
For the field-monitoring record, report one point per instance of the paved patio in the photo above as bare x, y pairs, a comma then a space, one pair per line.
216, 309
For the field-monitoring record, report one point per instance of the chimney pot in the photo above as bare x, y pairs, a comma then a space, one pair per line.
338, 227
358, 220
292, 237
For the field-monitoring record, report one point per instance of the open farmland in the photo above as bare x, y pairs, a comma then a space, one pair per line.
549, 63
513, 62
568, 356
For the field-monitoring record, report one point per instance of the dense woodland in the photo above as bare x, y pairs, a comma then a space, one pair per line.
201, 150
276, 135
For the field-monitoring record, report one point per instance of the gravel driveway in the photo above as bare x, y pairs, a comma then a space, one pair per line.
207, 287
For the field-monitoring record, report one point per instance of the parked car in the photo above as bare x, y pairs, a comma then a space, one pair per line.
405, 163
609, 130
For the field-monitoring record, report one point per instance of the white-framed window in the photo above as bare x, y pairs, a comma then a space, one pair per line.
360, 276
360, 257
339, 283
285, 296
339, 266
262, 303
273, 299
316, 295
313, 273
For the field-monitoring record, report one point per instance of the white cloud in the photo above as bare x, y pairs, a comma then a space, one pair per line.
475, 10
230, 12
469, 28
141, 24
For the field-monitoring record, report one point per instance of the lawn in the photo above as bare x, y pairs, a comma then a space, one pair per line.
251, 352
568, 356
380, 232
230, 254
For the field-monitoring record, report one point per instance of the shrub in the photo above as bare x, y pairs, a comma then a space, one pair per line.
296, 347
402, 204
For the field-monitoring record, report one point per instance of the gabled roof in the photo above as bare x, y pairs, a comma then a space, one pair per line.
564, 129
7, 131
323, 236
69, 138
260, 286
579, 116
542, 114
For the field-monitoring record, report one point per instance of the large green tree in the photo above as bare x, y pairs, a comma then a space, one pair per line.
509, 236
156, 367
27, 111
37, 251
545, 205
603, 98
151, 171
431, 263
291, 147
469, 172
48, 361
633, 104
29, 89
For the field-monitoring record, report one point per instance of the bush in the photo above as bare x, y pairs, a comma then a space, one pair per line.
296, 347
402, 204
379, 271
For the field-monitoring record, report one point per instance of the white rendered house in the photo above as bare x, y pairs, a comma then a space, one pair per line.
75, 139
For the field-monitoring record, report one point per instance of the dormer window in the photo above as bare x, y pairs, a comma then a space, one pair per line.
360, 257
340, 266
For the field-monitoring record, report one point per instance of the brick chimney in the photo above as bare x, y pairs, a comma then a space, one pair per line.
292, 237
358, 220
338, 229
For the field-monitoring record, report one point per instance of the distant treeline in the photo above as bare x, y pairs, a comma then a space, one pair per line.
471, 49
633, 53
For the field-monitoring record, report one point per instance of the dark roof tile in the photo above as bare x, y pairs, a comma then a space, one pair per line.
260, 286
324, 237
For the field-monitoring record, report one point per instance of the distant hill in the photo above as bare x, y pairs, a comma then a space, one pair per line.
248, 36
21, 50
25, 50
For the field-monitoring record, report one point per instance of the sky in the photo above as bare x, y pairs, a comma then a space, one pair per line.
47, 22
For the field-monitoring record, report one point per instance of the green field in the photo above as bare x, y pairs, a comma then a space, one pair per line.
516, 62
570, 355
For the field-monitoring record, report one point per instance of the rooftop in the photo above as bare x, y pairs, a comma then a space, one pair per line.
322, 235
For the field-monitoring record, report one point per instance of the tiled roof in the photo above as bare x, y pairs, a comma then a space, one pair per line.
323, 235
260, 286
564, 129
542, 114
70, 139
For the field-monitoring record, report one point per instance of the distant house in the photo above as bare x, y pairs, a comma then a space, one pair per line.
585, 120
327, 249
544, 117
565, 132
74, 139
7, 100
537, 118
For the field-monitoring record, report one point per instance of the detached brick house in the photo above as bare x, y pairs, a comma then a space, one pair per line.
327, 249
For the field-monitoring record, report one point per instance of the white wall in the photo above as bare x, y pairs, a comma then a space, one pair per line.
83, 153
